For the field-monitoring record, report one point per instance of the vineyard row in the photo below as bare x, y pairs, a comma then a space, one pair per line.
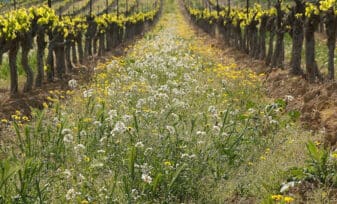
247, 29
67, 40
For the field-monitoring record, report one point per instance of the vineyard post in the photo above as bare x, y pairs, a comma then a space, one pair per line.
49, 3
117, 10
229, 7
15, 4
217, 8
147, 5
126, 8
209, 6
107, 6
90, 8
247, 8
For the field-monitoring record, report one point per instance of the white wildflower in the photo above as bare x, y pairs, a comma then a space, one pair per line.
97, 165
135, 195
71, 194
79, 147
201, 133
140, 103
102, 139
146, 178
88, 93
119, 127
184, 155
201, 142
286, 186
170, 129
148, 151
72, 83
224, 134
139, 145
112, 114
56, 120
97, 123
83, 133
67, 173
68, 138
212, 110
66, 131
271, 120
127, 118
216, 129
101, 151
288, 98
82, 178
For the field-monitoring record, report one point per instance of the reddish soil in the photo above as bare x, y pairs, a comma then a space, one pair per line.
35, 98
317, 102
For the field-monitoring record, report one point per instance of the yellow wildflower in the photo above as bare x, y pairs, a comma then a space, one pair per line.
45, 105
86, 158
334, 155
317, 143
288, 199
167, 163
276, 197
4, 120
15, 117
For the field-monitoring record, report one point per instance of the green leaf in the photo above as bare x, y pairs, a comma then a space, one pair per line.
294, 115
132, 159
314, 152
176, 175
156, 181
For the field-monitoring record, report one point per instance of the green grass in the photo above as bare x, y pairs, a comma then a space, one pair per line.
321, 53
4, 68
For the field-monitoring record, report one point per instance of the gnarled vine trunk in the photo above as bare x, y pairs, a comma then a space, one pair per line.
262, 37
4, 47
109, 38
50, 58
330, 22
310, 57
12, 55
101, 45
297, 37
41, 45
95, 40
89, 37
73, 52
68, 60
270, 27
26, 45
80, 48
60, 55
278, 57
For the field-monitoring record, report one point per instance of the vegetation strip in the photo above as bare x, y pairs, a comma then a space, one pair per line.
166, 123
